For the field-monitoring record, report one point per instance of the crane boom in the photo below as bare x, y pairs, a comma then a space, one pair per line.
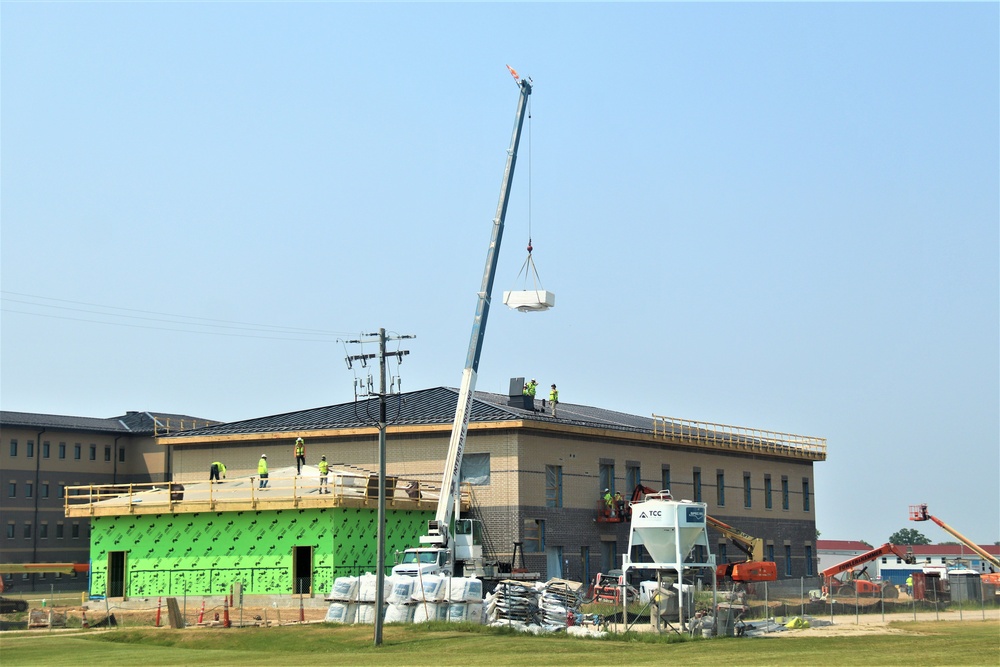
752, 546
438, 528
861, 559
919, 513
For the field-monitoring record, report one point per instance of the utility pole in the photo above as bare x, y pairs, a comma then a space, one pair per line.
381, 339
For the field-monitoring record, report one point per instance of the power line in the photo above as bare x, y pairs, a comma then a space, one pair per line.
184, 319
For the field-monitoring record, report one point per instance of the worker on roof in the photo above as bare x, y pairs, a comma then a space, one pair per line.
531, 388
216, 470
300, 454
324, 471
262, 470
554, 399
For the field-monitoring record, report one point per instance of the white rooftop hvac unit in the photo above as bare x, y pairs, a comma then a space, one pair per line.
528, 301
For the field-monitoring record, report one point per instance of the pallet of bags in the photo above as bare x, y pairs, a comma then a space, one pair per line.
366, 612
465, 589
514, 601
341, 612
345, 589
368, 587
430, 611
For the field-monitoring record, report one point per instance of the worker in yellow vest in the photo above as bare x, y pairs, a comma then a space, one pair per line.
554, 399
300, 454
262, 471
216, 470
324, 471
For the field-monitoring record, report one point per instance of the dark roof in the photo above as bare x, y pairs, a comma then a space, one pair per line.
427, 406
133, 423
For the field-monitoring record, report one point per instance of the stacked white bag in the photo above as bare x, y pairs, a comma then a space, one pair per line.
343, 595
429, 596
367, 605
465, 599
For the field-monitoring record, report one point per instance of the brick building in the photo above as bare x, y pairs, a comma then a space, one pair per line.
539, 480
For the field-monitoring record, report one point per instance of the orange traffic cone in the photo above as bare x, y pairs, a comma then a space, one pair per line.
159, 609
226, 623
201, 616
83, 621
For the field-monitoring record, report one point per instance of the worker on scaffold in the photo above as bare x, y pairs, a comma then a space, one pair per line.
300, 454
324, 472
216, 470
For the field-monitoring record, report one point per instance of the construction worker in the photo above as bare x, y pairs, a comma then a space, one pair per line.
909, 585
531, 388
554, 399
300, 454
609, 503
262, 471
324, 471
217, 469
619, 504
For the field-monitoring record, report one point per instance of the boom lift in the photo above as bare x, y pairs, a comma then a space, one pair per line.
754, 568
441, 551
860, 582
919, 513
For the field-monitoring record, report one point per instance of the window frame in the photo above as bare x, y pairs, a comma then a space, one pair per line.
553, 485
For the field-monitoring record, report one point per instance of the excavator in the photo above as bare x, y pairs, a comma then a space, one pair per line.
920, 513
860, 583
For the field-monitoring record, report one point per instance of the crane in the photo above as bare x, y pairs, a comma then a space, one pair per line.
919, 513
435, 556
834, 586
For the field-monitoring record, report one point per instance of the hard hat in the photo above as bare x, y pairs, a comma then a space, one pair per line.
323, 457
534, 380
606, 490
298, 439
263, 456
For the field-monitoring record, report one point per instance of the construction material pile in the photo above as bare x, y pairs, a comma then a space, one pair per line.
547, 607
406, 599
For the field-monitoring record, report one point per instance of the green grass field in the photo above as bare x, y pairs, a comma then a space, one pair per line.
926, 643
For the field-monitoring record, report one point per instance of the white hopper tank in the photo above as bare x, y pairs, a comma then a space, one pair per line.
669, 529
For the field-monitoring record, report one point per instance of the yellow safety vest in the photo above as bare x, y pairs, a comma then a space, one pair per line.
262, 467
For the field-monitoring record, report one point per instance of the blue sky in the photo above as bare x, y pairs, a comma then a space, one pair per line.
782, 216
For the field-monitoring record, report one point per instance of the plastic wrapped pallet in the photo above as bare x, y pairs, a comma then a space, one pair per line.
458, 612
475, 612
430, 588
367, 587
402, 590
400, 613
464, 589
345, 589
340, 612
430, 611
366, 612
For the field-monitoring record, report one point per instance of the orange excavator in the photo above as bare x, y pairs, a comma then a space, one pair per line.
860, 583
920, 513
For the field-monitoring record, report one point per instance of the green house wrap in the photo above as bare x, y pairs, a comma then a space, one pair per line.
270, 552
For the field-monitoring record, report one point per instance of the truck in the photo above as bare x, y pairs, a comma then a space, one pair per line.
851, 582
452, 545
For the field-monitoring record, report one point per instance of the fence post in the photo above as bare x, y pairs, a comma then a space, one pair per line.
767, 609
857, 610
802, 596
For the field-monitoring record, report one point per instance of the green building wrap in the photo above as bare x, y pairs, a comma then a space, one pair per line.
205, 553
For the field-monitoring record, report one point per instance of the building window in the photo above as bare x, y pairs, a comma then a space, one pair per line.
696, 482
770, 553
534, 535
720, 488
75, 531
784, 492
767, 492
43, 531
45, 450
746, 490
475, 468
13, 447
633, 477
45, 489
12, 489
27, 530
723, 555
553, 486
62, 450
76, 451
10, 530
121, 459
29, 449
809, 560
62, 490
609, 556
805, 494
29, 489
788, 560
59, 530
93, 452
107, 452
608, 476
665, 478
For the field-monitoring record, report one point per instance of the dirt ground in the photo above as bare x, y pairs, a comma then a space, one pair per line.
874, 624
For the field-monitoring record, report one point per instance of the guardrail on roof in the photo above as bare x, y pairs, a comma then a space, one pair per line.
727, 436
